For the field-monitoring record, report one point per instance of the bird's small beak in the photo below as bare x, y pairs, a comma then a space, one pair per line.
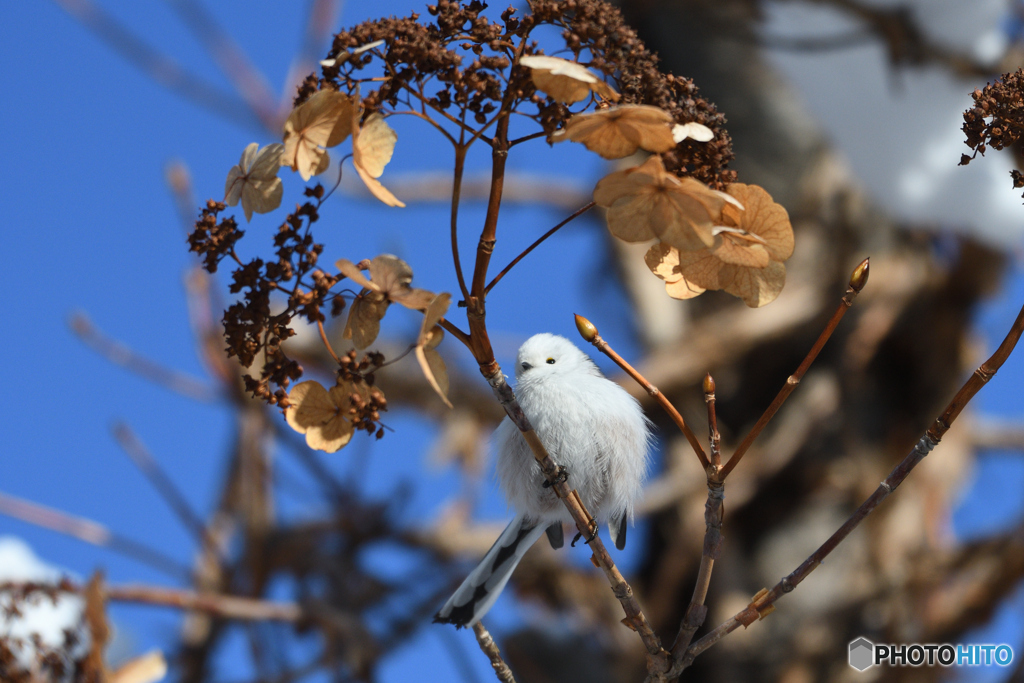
526, 366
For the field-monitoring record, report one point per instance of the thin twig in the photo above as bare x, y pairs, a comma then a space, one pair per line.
714, 511
161, 68
490, 649
764, 602
326, 342
233, 62
589, 332
147, 464
857, 281
119, 354
91, 532
460, 165
575, 214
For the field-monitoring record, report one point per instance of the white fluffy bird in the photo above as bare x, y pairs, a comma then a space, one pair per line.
592, 428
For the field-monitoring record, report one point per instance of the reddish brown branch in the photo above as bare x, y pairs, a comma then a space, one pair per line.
490, 648
460, 165
575, 214
657, 657
589, 332
714, 511
764, 602
857, 282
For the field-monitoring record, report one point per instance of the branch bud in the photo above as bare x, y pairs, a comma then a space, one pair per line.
860, 275
709, 384
586, 328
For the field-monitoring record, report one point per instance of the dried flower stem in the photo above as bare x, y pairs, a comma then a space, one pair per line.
714, 511
460, 165
575, 214
490, 649
589, 332
91, 532
326, 341
764, 601
857, 281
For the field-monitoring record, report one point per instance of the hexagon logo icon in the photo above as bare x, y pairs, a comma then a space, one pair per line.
862, 654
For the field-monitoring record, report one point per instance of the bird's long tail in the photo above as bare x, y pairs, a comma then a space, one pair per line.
483, 585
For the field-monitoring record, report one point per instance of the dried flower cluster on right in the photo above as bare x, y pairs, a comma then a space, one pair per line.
737, 240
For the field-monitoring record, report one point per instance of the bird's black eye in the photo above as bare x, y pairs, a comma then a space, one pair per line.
551, 361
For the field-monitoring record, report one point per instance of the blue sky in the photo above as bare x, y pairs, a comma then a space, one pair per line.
90, 226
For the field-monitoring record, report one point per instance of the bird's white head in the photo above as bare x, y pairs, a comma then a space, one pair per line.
549, 355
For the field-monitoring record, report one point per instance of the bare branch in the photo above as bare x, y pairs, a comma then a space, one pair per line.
91, 532
490, 649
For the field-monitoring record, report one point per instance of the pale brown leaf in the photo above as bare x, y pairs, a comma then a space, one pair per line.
430, 336
619, 131
565, 81
254, 180
324, 120
372, 147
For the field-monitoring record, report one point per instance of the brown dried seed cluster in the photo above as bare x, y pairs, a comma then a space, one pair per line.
212, 240
460, 67
597, 27
997, 119
249, 325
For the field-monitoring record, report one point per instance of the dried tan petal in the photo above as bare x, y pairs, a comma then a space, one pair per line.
693, 130
756, 286
149, 668
740, 248
330, 437
432, 316
378, 190
373, 145
364, 318
619, 131
352, 272
565, 81
701, 267
311, 406
430, 336
369, 156
324, 120
647, 202
684, 289
663, 260
762, 217
254, 180
393, 276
